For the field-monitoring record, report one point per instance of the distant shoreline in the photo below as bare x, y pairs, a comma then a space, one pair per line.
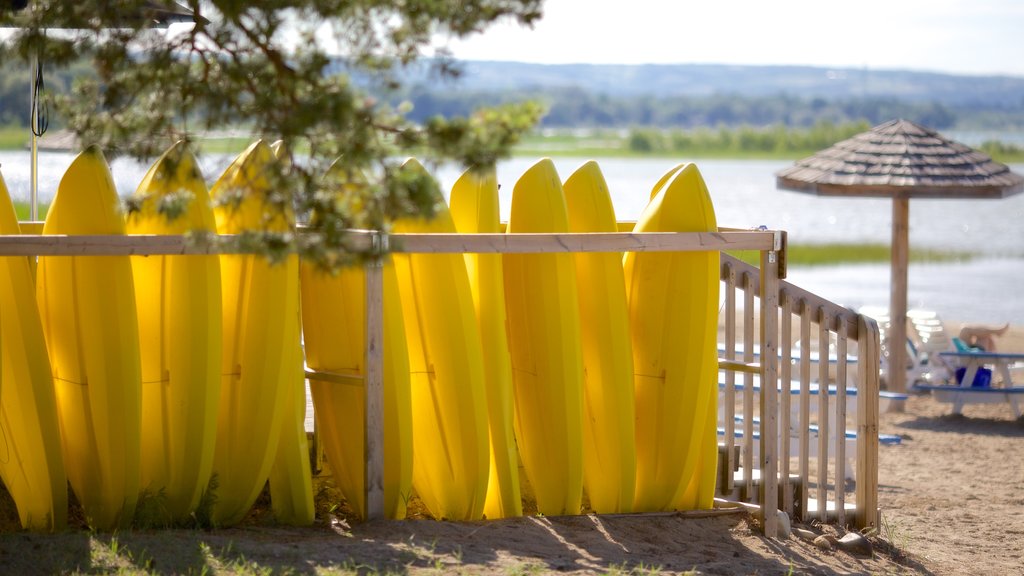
704, 144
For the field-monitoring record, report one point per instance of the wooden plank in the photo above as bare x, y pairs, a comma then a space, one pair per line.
803, 426
867, 425
785, 408
736, 366
748, 383
729, 274
898, 297
823, 428
374, 444
581, 242
797, 293
335, 377
362, 241
112, 245
769, 391
841, 344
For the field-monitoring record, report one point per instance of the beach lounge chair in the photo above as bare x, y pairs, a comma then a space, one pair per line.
926, 340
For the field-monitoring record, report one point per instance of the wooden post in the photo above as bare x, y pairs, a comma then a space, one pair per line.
898, 297
867, 423
374, 445
823, 414
729, 410
769, 388
841, 420
803, 426
785, 409
748, 385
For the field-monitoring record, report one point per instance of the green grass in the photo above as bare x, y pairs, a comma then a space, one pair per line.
610, 145
13, 137
21, 208
831, 254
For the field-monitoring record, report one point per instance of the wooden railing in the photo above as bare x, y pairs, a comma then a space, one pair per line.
764, 283
826, 348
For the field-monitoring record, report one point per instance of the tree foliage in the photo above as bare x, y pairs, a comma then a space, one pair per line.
308, 72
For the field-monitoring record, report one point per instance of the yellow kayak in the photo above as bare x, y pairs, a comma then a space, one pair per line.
31, 465
179, 311
87, 306
291, 482
474, 209
544, 342
259, 310
609, 453
334, 332
449, 406
673, 305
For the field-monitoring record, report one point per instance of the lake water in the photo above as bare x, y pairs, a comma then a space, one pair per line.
987, 289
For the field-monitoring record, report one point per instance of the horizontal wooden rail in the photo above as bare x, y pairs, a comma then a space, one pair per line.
363, 240
735, 366
587, 242
794, 293
336, 377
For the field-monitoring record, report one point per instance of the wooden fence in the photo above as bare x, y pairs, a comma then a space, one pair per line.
761, 480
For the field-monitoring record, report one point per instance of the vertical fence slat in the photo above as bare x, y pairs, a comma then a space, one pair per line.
841, 421
729, 411
374, 442
867, 423
769, 390
748, 385
785, 404
823, 428
803, 426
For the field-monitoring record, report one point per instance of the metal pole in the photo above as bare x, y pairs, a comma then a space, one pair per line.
33, 210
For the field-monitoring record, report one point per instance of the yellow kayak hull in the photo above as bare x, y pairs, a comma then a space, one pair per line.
449, 407
291, 482
31, 465
334, 333
179, 311
87, 306
673, 305
544, 343
609, 453
259, 303
474, 209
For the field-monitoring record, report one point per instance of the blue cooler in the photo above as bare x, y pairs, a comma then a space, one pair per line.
982, 378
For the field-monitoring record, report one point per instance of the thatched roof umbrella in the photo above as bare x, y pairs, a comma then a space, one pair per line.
900, 160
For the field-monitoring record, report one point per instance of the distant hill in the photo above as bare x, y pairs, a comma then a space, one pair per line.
706, 94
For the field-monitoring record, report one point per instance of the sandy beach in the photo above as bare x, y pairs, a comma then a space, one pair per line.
950, 494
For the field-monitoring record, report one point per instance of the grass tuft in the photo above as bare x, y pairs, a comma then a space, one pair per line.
853, 253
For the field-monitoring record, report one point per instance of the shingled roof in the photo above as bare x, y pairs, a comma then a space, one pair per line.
901, 159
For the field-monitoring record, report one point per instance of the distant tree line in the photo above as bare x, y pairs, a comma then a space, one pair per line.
575, 107
15, 84
777, 139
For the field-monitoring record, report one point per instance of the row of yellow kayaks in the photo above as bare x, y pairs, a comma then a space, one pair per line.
176, 383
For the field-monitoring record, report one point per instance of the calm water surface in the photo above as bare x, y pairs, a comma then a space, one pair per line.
987, 289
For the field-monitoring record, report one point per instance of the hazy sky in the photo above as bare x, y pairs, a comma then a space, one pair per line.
961, 36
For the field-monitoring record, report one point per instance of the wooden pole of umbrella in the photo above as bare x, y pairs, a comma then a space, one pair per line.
900, 160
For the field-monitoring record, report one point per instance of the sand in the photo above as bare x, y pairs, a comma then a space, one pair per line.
951, 494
